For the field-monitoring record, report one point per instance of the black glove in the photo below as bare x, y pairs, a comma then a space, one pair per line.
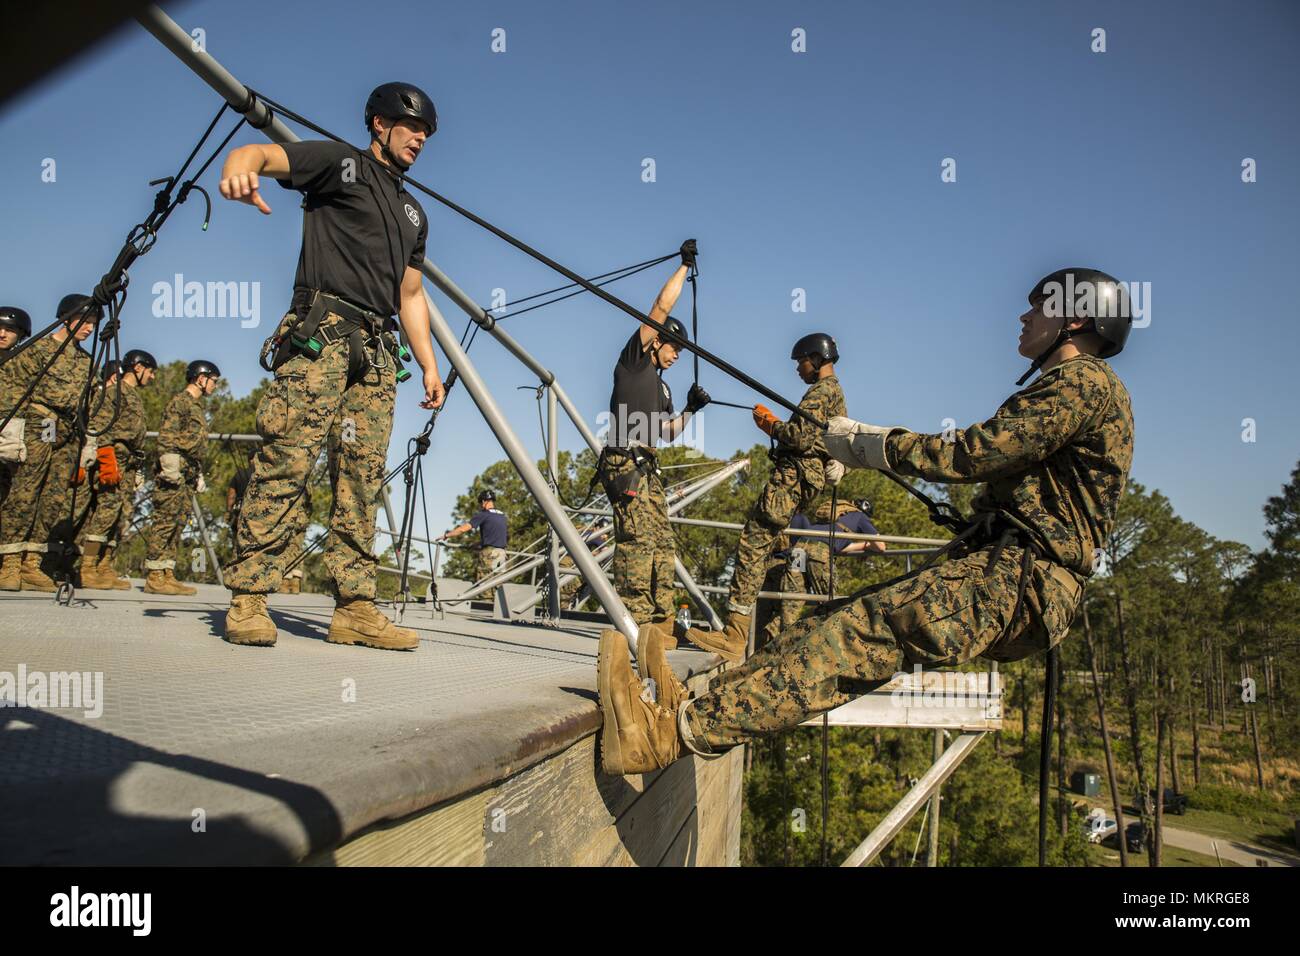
696, 399
689, 251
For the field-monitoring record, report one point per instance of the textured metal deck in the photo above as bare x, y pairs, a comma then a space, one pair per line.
209, 753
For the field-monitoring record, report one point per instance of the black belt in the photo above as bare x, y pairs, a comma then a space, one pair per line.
308, 299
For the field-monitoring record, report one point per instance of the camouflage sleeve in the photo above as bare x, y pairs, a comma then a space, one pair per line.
800, 435
16, 375
1030, 426
192, 434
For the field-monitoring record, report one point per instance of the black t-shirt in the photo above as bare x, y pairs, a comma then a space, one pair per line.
641, 401
491, 527
360, 227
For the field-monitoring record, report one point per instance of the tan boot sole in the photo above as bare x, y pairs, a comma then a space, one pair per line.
30, 585
258, 638
611, 749
342, 634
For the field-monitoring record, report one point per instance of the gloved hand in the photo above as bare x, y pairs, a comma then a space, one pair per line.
200, 486
89, 453
857, 444
696, 398
109, 474
12, 446
764, 418
689, 251
169, 468
834, 472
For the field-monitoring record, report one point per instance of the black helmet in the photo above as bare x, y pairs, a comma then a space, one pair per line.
1112, 316
676, 328
486, 496
111, 368
12, 317
396, 100
817, 344
864, 505
201, 367
138, 357
74, 304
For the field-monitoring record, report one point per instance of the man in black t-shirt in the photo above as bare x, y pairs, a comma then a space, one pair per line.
334, 358
641, 413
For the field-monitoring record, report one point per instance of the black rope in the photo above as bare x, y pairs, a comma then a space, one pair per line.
569, 274
617, 274
695, 317
826, 785
1045, 747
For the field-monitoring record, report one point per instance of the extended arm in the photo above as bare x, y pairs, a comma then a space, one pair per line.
414, 316
242, 167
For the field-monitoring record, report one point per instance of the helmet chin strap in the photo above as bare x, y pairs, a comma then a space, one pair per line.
392, 157
1062, 337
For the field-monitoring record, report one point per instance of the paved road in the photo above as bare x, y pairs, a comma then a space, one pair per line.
1245, 854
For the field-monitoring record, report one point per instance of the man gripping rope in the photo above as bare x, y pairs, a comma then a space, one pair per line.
641, 415
799, 473
1055, 458
15, 325
335, 358
41, 442
120, 435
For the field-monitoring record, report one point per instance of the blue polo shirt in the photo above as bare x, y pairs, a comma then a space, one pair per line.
491, 527
854, 521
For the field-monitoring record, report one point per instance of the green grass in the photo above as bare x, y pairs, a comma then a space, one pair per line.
1270, 829
1099, 855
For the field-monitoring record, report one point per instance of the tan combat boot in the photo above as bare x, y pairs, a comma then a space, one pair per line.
109, 572
33, 578
247, 621
730, 643
92, 574
11, 572
638, 736
652, 664
155, 582
176, 586
359, 622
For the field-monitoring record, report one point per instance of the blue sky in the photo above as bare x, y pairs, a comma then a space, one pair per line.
816, 170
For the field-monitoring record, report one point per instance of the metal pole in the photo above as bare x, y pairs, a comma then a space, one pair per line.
203, 533
903, 811
533, 479
803, 532
932, 850
553, 466
211, 72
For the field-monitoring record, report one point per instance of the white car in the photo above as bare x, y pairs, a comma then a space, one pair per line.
1097, 826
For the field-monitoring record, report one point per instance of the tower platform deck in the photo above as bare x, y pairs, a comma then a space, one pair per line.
478, 748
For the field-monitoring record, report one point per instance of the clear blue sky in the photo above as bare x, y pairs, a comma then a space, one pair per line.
818, 170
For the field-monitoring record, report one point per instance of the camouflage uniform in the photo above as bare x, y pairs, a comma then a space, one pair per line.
300, 410
1056, 457
183, 431
111, 505
489, 562
798, 476
35, 516
645, 551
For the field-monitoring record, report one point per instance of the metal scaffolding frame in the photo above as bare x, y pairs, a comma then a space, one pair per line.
259, 116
